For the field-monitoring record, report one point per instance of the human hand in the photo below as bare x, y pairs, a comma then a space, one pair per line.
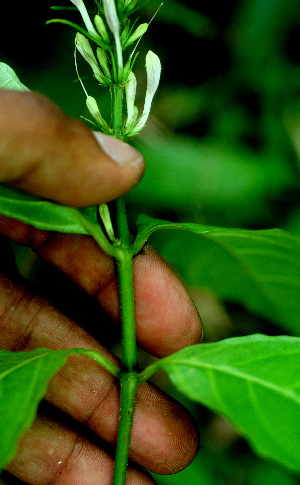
50, 155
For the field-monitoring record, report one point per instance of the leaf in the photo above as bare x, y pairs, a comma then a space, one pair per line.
24, 377
254, 381
147, 225
186, 175
258, 269
49, 216
9, 79
191, 20
40, 213
77, 27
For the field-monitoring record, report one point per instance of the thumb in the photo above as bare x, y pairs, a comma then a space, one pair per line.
48, 154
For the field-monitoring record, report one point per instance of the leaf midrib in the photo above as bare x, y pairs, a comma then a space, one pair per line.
288, 394
28, 361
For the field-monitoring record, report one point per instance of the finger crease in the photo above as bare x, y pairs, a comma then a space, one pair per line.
77, 448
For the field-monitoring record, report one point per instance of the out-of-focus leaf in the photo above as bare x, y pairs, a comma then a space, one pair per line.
179, 106
187, 175
267, 472
9, 79
189, 19
254, 381
198, 472
260, 27
259, 269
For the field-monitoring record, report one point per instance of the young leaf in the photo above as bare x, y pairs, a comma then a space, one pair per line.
254, 381
24, 377
258, 269
9, 79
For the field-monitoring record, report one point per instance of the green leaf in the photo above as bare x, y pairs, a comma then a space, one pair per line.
77, 27
186, 175
9, 79
254, 381
57, 7
191, 20
49, 216
147, 225
40, 213
24, 377
258, 269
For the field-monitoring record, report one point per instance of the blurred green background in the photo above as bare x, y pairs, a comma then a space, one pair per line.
222, 148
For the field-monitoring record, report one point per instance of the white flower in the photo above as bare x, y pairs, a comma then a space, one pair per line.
130, 91
85, 16
153, 68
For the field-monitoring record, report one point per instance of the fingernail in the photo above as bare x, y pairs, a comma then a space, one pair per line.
117, 150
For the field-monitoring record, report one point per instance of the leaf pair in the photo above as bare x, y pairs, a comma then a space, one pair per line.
254, 381
259, 269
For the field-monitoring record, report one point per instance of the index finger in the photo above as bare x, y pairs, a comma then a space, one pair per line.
166, 318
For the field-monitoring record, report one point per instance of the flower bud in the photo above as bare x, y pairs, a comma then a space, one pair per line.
84, 47
141, 29
101, 29
111, 16
102, 58
85, 16
92, 106
130, 3
106, 219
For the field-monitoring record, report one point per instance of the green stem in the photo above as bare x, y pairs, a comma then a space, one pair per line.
129, 361
129, 350
129, 387
117, 110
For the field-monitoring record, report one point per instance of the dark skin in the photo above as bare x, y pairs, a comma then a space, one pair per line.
45, 153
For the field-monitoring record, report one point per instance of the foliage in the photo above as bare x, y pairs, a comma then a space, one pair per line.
24, 377
228, 156
237, 377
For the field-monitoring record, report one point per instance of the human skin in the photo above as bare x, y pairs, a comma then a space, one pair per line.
46, 153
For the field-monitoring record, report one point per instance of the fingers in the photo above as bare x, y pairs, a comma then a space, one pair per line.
164, 437
52, 453
166, 319
48, 154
